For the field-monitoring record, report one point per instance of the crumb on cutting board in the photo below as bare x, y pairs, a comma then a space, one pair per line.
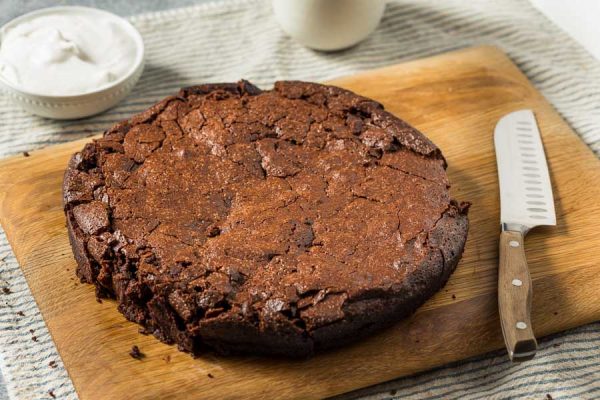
136, 353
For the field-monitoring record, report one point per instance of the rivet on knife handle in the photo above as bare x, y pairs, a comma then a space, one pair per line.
514, 297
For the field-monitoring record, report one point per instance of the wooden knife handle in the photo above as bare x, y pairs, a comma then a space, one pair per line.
514, 297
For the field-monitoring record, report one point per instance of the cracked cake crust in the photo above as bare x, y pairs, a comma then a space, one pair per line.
276, 222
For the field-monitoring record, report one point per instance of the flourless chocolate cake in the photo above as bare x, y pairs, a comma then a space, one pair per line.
280, 222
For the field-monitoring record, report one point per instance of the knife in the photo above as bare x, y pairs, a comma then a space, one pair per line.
526, 201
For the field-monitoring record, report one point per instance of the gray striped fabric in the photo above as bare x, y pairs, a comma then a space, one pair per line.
230, 40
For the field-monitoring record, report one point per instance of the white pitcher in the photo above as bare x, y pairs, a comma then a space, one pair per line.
328, 24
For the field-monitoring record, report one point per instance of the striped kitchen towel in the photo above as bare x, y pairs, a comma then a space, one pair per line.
228, 40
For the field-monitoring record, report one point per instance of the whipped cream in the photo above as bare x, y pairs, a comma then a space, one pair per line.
66, 53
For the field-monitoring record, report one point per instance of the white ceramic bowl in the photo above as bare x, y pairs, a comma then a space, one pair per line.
328, 24
83, 105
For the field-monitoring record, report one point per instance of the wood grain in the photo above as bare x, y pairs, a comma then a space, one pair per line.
456, 99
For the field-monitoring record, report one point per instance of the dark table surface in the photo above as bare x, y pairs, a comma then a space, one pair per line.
10, 9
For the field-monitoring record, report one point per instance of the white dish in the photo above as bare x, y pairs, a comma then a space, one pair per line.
81, 105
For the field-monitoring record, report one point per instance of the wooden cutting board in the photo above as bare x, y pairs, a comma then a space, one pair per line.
456, 99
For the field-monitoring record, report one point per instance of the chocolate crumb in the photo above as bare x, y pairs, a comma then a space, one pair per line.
34, 338
548, 397
393, 392
167, 358
26, 154
136, 353
556, 345
51, 393
20, 313
555, 312
210, 375
52, 364
6, 290
31, 331
454, 297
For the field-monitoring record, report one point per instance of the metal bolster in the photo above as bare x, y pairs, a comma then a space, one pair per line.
513, 227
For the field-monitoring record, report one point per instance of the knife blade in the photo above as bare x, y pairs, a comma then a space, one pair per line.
526, 201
